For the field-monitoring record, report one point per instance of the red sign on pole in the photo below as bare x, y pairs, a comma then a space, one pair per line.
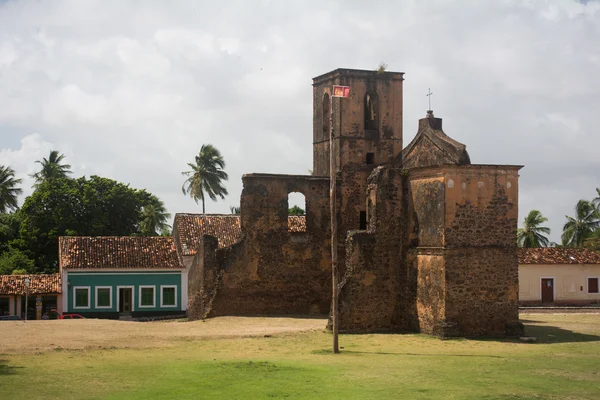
341, 91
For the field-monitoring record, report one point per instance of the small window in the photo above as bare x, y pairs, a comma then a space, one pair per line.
363, 220
371, 108
82, 297
296, 212
147, 296
326, 115
370, 158
168, 296
592, 285
103, 297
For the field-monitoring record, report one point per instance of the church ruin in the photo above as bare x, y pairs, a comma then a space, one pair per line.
426, 239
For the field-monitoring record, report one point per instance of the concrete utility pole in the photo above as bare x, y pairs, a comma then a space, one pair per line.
334, 246
26, 297
338, 91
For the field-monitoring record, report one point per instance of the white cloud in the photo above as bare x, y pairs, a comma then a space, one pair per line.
131, 90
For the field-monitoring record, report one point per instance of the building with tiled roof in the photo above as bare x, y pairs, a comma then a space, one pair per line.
558, 255
38, 284
112, 277
123, 252
44, 292
553, 275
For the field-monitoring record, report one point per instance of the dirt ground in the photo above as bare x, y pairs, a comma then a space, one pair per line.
17, 337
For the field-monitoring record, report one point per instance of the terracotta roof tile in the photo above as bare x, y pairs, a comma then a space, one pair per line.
38, 284
188, 228
126, 252
557, 255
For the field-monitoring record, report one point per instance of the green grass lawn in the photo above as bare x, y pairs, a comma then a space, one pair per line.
563, 364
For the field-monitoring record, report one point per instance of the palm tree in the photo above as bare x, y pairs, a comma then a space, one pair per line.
206, 176
8, 190
154, 218
576, 230
51, 168
532, 234
596, 200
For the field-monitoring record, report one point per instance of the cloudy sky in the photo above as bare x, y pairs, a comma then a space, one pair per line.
130, 90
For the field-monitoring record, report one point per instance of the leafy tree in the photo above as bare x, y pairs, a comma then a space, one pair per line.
154, 217
206, 176
9, 192
577, 229
235, 210
51, 168
65, 207
532, 234
15, 259
9, 229
295, 211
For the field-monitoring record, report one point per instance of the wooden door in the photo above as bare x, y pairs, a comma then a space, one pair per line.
547, 290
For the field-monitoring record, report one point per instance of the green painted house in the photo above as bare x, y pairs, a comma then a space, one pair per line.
121, 277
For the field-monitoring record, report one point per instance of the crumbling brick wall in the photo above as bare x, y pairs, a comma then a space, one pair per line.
271, 270
378, 289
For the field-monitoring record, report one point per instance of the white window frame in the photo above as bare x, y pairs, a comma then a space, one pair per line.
89, 289
119, 297
587, 285
161, 296
110, 296
153, 287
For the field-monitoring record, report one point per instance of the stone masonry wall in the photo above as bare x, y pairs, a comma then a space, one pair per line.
379, 288
271, 270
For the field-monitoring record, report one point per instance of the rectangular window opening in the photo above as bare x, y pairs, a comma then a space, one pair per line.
592, 285
370, 158
363, 220
147, 296
168, 296
103, 297
82, 297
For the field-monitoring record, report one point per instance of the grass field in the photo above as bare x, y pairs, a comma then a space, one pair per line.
283, 358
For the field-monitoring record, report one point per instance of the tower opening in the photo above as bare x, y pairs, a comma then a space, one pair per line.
371, 110
326, 114
296, 212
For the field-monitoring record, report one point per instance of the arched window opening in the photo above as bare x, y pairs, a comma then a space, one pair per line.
371, 109
326, 114
296, 212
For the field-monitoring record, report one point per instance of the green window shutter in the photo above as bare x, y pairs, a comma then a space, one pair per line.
81, 298
147, 296
168, 296
103, 297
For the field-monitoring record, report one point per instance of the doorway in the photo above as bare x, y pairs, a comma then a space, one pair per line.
547, 290
125, 299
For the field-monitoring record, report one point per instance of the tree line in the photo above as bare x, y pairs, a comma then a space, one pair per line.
580, 230
61, 205
64, 206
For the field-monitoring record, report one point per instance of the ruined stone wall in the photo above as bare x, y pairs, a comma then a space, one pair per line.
203, 278
482, 289
379, 288
271, 270
464, 226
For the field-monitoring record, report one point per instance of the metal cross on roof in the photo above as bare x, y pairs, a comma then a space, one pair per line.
429, 96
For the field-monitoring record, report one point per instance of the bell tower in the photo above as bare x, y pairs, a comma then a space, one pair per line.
367, 126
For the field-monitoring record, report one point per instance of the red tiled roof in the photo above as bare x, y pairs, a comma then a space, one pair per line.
38, 284
125, 252
557, 255
188, 228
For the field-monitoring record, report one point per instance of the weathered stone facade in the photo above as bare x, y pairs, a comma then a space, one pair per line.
426, 239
